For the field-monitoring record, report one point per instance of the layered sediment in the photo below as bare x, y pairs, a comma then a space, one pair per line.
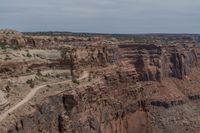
131, 88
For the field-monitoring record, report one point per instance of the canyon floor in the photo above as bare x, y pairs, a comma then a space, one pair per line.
97, 83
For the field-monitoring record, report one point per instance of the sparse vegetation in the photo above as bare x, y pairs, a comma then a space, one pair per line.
30, 82
75, 81
48, 86
2, 45
43, 79
7, 58
5, 46
15, 46
57, 75
39, 72
28, 70
29, 55
7, 88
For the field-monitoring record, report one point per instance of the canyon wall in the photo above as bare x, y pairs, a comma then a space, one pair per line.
151, 61
134, 88
154, 62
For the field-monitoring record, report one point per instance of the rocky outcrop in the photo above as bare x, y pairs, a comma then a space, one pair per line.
3, 101
154, 62
11, 37
150, 61
97, 109
80, 58
121, 98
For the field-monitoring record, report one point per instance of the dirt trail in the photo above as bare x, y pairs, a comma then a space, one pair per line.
31, 94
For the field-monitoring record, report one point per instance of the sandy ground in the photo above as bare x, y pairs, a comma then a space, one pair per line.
32, 93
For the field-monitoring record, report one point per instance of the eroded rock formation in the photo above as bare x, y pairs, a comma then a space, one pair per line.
131, 88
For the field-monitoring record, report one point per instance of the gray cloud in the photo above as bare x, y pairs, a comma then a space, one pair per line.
107, 16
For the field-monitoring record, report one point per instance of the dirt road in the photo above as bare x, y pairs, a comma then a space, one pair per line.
32, 93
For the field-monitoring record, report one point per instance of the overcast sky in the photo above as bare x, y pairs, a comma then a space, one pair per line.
103, 16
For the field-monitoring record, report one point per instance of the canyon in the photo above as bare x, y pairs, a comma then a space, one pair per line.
60, 83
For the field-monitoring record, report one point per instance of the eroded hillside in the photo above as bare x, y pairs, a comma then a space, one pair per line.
61, 84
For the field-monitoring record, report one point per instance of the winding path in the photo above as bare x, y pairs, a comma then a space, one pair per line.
32, 93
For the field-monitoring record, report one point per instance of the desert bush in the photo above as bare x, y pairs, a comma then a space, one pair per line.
29, 55
75, 81
30, 82
2, 45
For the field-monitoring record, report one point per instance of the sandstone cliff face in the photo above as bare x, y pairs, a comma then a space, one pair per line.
126, 98
81, 58
101, 108
117, 104
154, 62
151, 62
122, 107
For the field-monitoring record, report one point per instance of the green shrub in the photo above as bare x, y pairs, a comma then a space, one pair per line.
11, 46
2, 45
7, 88
30, 82
75, 81
29, 55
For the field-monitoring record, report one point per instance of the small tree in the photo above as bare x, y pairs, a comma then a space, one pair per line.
29, 55
30, 82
